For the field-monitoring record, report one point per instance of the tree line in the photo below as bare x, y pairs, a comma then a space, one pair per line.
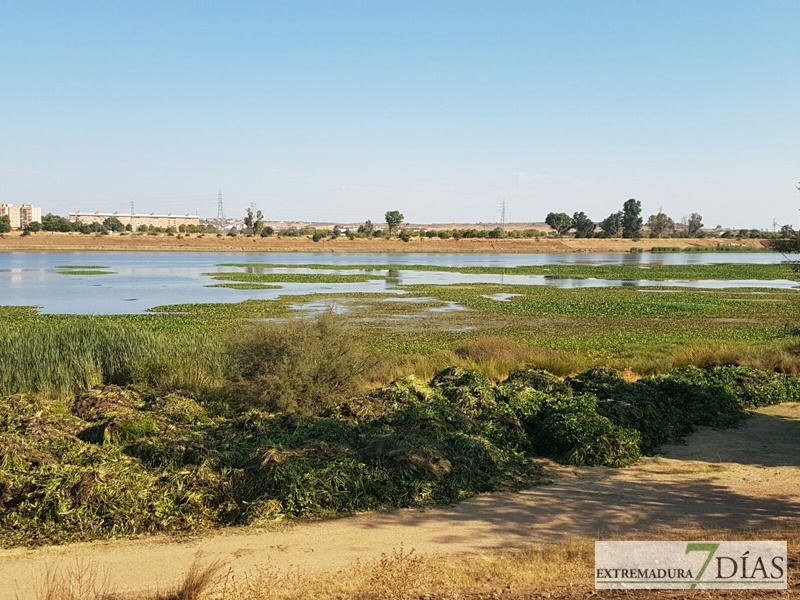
626, 223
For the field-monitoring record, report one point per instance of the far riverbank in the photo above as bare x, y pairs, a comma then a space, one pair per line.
66, 242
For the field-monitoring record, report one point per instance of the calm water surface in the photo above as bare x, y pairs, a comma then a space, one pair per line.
144, 280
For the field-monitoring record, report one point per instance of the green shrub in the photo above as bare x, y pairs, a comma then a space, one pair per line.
303, 366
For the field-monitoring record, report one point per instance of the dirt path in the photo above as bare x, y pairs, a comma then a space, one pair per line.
743, 478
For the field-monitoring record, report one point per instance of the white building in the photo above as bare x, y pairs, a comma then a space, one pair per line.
136, 220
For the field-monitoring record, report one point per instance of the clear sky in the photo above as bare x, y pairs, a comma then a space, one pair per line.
339, 110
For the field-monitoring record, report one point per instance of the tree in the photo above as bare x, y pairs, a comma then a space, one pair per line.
5, 224
694, 224
632, 219
561, 222
33, 227
51, 222
659, 224
787, 231
113, 224
254, 223
612, 225
367, 229
393, 219
584, 226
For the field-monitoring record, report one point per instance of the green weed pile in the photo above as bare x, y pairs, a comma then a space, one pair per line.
123, 460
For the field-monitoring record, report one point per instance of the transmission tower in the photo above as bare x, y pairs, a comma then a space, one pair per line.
132, 211
220, 213
503, 208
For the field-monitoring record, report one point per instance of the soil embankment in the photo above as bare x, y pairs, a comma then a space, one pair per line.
721, 479
77, 242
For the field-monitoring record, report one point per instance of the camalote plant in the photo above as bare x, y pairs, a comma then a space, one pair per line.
129, 459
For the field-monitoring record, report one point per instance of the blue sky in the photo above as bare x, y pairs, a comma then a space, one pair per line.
343, 110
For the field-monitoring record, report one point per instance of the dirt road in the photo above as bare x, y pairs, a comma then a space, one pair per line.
729, 479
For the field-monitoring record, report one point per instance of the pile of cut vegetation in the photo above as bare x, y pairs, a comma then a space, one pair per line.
122, 461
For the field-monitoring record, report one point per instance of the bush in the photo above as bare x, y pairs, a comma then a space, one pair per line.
300, 366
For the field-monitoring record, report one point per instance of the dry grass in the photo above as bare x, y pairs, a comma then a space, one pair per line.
494, 357
782, 359
85, 582
563, 570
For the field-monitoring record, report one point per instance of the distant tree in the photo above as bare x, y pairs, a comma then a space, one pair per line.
128, 227
5, 224
787, 231
254, 223
393, 219
51, 222
337, 231
267, 231
113, 224
405, 236
694, 224
659, 224
367, 229
612, 225
584, 226
496, 233
33, 227
790, 248
561, 222
632, 219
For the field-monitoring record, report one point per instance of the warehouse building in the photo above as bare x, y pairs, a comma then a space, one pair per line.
136, 220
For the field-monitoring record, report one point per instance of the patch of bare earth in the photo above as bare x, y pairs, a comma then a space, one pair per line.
722, 483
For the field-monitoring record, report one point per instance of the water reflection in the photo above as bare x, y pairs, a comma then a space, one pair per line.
143, 280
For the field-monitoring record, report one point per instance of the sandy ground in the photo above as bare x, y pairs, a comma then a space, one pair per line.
73, 242
746, 478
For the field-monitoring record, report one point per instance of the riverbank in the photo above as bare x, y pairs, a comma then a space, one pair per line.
66, 242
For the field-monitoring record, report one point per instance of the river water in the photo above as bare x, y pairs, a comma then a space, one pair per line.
142, 280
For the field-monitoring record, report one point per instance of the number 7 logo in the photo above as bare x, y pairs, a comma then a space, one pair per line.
701, 547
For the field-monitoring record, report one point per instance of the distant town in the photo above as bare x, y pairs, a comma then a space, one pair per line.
626, 223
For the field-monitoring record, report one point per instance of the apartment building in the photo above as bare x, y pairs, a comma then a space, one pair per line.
21, 216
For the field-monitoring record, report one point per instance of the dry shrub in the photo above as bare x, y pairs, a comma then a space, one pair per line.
301, 366
84, 582
195, 585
